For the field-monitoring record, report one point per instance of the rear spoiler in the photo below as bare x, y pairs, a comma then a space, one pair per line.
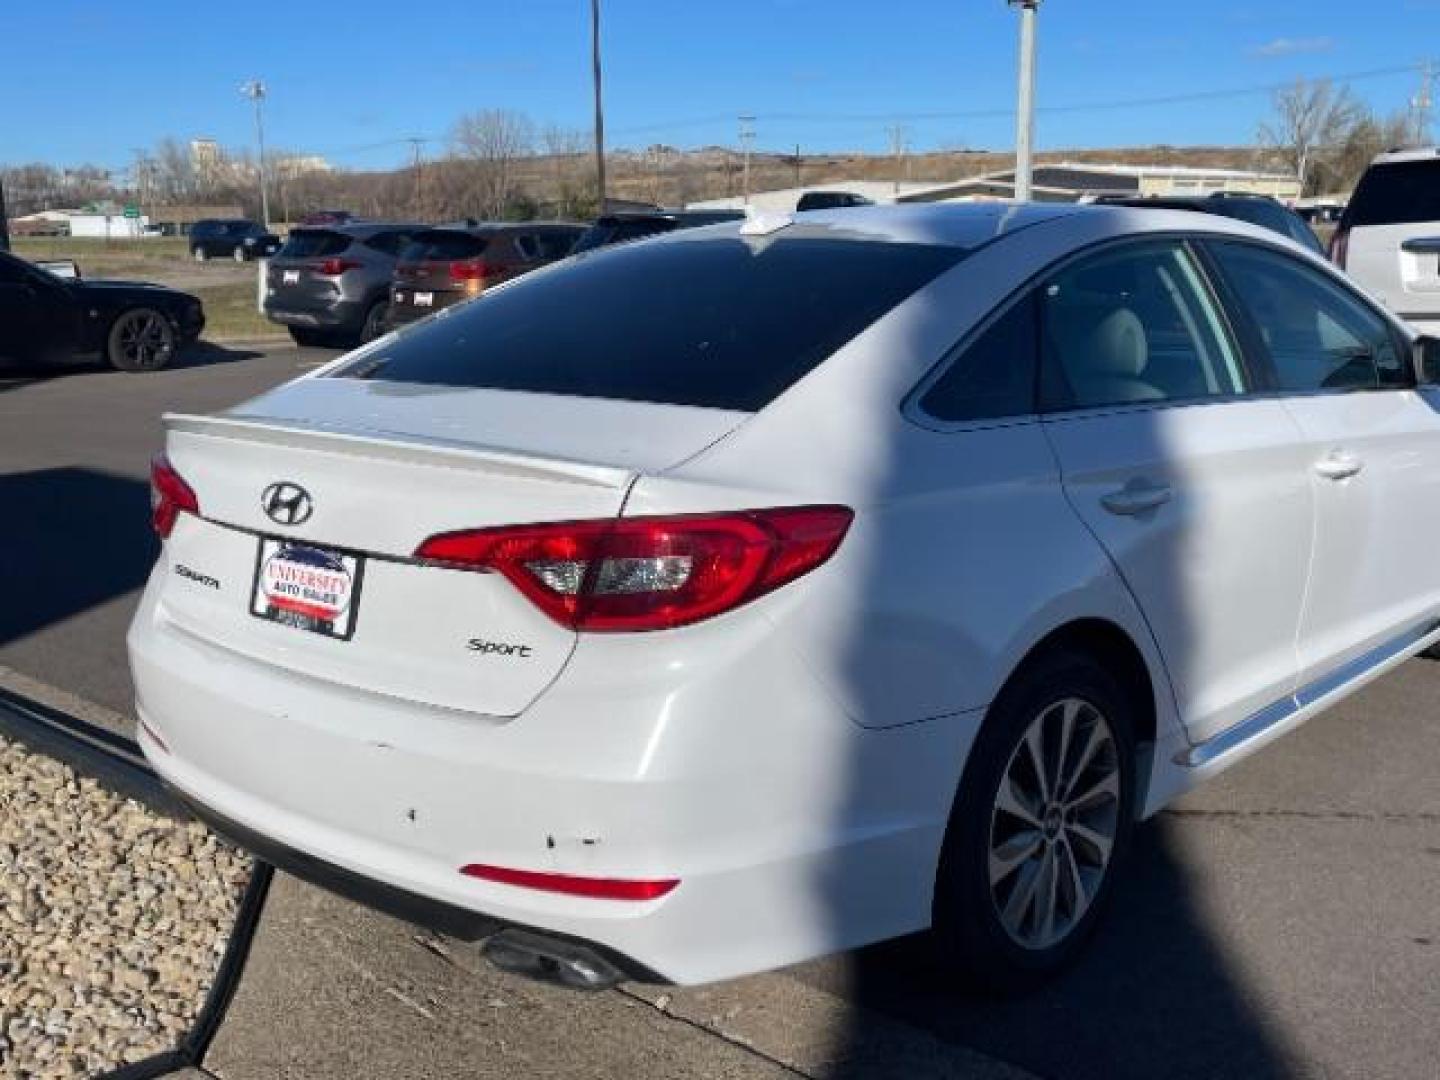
395, 446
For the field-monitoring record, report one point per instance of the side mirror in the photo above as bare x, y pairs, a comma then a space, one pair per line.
1425, 353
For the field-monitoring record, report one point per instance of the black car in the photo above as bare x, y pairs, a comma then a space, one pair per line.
617, 228
132, 325
235, 238
1259, 210
831, 200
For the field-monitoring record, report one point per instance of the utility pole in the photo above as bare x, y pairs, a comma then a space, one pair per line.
747, 138
1025, 111
599, 107
415, 144
797, 166
898, 145
1423, 102
4, 219
255, 91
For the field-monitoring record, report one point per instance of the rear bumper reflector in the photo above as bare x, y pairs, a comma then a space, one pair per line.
571, 885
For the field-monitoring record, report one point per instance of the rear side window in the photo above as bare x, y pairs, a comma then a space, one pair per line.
995, 374
390, 243
1130, 326
602, 233
313, 243
720, 322
1401, 193
443, 247
1317, 334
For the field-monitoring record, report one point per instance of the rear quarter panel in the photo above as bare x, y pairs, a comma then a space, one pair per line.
964, 552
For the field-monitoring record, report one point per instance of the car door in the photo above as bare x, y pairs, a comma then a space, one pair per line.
36, 313
1343, 370
1197, 487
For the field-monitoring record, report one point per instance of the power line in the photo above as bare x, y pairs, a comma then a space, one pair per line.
1007, 112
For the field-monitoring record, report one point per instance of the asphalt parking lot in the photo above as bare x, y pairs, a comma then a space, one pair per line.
1282, 922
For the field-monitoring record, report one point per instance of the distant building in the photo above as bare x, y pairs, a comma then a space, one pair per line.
1053, 182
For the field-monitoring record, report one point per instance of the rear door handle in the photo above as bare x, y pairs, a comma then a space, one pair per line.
1339, 467
1136, 497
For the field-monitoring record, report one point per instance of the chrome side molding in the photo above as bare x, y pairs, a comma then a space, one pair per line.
1255, 725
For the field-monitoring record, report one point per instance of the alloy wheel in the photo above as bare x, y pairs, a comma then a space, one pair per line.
144, 340
1054, 823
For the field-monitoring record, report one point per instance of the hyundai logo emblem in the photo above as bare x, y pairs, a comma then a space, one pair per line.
287, 503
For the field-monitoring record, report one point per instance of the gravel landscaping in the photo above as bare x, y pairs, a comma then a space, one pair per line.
113, 920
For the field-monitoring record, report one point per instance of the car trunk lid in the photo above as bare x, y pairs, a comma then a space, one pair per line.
314, 498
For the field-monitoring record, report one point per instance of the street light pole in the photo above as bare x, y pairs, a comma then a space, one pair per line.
747, 138
1025, 104
255, 91
599, 105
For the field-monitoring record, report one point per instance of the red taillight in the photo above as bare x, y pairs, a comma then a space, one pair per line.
334, 267
169, 496
570, 885
1340, 247
649, 573
471, 270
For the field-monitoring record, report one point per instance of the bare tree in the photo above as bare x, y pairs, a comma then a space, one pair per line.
492, 140
572, 178
1310, 119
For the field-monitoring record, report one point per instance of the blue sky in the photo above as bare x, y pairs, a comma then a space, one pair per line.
101, 78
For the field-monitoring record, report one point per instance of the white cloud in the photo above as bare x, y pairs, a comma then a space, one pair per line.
1286, 46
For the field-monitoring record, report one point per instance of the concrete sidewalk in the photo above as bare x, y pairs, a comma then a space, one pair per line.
336, 992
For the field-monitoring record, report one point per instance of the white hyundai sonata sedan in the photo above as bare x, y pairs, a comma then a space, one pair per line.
701, 605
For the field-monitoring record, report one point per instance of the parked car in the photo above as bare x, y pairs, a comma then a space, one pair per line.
874, 570
617, 228
133, 326
329, 217
236, 239
1389, 236
331, 285
1259, 210
442, 266
830, 200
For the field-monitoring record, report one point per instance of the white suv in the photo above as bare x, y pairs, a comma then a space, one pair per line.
699, 605
1389, 237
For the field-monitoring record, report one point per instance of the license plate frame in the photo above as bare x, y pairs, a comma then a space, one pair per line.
300, 585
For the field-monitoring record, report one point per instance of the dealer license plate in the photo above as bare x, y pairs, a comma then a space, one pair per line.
307, 587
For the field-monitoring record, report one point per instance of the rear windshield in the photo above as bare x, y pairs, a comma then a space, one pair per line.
1402, 193
443, 246
313, 243
722, 322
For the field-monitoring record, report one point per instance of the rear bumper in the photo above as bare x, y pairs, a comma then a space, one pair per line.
457, 922
794, 832
296, 311
401, 314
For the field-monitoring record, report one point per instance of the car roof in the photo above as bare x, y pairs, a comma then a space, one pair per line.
974, 225
359, 229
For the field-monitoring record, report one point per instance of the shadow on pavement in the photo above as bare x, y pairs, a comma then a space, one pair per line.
1152, 996
74, 538
14, 376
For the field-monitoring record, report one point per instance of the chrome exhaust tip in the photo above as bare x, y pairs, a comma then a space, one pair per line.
550, 960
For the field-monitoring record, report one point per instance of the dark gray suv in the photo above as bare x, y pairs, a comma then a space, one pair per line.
331, 285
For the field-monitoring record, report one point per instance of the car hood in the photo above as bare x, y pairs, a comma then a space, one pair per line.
117, 288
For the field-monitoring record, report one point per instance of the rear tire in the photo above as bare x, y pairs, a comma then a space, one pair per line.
376, 323
141, 339
1040, 826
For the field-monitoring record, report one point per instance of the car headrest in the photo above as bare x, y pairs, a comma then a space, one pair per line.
1100, 340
